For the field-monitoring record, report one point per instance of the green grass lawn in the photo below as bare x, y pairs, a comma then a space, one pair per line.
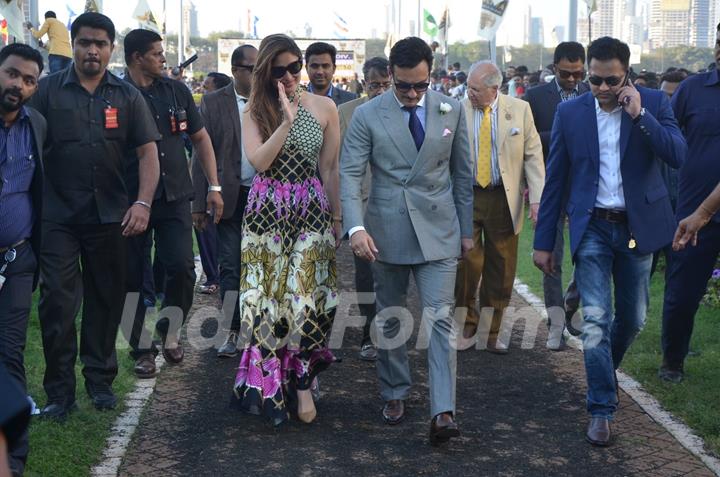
72, 448
697, 399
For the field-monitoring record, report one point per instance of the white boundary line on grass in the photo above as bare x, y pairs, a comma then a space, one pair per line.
126, 423
678, 429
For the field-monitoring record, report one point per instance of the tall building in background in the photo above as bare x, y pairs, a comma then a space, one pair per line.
537, 33
194, 30
190, 23
683, 22
702, 23
611, 15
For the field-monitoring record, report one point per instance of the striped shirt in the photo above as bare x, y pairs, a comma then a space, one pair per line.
495, 177
17, 166
567, 95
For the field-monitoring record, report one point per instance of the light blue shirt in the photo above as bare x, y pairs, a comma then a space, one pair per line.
420, 111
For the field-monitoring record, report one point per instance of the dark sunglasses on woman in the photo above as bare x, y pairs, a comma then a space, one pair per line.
293, 68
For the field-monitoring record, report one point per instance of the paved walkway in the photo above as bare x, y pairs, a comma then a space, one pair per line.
520, 414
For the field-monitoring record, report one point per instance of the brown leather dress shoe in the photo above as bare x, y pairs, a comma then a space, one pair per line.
394, 411
443, 428
145, 366
598, 432
173, 353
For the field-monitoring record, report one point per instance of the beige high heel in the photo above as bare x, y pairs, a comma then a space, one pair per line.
306, 407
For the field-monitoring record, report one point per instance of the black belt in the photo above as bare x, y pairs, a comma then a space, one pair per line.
15, 245
610, 215
489, 187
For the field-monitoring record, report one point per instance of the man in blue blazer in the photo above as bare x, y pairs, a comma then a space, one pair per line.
604, 147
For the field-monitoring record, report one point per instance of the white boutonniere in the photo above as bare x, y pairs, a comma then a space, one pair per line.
445, 108
514, 131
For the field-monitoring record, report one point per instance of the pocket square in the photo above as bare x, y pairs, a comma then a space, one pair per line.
446, 132
514, 131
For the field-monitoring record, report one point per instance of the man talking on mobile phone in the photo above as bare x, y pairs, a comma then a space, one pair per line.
603, 148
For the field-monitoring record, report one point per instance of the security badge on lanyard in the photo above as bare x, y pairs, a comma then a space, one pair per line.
9, 258
111, 117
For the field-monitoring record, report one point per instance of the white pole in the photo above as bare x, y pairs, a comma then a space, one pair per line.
181, 42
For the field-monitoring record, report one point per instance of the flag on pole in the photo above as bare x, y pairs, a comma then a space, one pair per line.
145, 17
255, 22
389, 44
491, 17
341, 27
443, 28
430, 26
92, 6
591, 5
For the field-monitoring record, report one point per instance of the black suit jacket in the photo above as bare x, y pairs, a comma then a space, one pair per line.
544, 100
340, 96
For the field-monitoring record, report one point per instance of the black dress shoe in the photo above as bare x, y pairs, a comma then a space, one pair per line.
598, 432
671, 373
173, 353
145, 366
57, 411
443, 428
394, 411
101, 396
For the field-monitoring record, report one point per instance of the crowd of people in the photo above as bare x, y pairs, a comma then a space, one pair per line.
426, 174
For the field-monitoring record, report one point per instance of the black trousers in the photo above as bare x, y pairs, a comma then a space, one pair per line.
80, 264
15, 302
171, 222
686, 281
229, 244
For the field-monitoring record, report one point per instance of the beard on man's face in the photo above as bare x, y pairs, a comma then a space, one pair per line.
11, 99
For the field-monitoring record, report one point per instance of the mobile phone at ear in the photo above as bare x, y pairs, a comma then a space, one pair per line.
626, 100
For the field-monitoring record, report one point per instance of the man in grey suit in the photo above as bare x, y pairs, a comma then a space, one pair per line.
221, 110
569, 64
377, 81
320, 66
418, 219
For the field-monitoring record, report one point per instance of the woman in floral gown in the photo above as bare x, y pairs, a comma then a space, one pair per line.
288, 291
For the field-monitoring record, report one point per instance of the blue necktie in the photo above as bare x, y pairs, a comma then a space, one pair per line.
416, 129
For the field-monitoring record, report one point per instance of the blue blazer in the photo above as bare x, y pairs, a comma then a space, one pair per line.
574, 161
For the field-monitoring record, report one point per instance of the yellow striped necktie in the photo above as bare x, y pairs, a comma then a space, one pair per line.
484, 156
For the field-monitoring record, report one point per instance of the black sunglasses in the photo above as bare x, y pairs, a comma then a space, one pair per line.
246, 67
293, 68
610, 80
405, 87
578, 75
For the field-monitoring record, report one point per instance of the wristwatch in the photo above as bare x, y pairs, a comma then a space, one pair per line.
213, 188
639, 116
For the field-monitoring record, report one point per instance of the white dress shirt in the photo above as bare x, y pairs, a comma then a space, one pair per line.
610, 188
421, 114
247, 171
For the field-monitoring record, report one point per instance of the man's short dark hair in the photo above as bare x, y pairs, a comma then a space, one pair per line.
320, 48
139, 41
607, 48
461, 77
676, 76
50, 14
456, 65
238, 54
569, 50
93, 20
521, 70
26, 52
410, 52
219, 79
377, 64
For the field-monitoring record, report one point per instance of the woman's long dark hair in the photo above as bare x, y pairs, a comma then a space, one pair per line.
264, 103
